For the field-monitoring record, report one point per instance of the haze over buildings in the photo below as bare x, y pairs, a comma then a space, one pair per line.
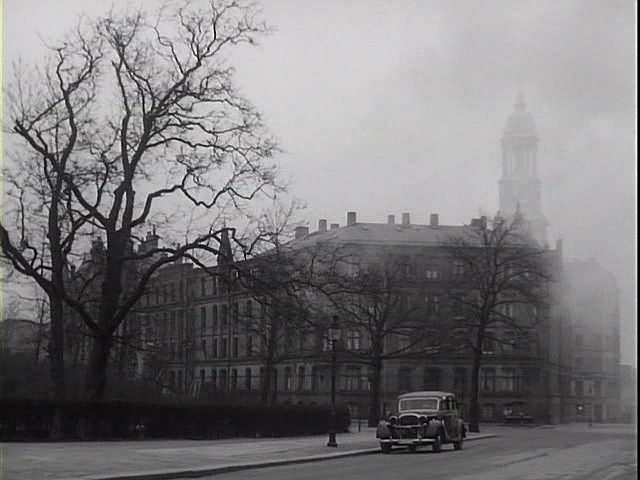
390, 107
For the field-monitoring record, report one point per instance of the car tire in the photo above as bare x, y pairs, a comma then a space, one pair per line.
436, 446
413, 448
385, 448
458, 445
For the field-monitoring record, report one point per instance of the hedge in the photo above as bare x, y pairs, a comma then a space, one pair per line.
110, 419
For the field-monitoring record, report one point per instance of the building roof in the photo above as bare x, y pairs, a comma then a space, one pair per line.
382, 234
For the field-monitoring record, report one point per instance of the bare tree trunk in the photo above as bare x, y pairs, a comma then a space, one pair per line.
474, 406
96, 377
374, 397
265, 387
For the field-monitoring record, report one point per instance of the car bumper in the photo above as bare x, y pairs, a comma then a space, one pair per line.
407, 441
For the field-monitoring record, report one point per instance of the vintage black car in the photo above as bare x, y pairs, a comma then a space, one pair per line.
423, 418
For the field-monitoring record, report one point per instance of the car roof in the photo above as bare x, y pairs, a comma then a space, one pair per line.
427, 393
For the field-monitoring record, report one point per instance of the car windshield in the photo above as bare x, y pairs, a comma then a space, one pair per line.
419, 404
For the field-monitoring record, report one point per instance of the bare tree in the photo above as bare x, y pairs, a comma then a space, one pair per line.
500, 284
384, 314
137, 122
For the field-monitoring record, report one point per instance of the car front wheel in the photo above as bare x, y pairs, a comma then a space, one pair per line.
385, 447
458, 445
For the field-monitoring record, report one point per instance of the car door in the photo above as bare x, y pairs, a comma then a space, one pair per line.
450, 417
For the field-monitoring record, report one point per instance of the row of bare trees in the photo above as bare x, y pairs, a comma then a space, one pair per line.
134, 121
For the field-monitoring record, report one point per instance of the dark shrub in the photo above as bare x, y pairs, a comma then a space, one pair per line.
111, 419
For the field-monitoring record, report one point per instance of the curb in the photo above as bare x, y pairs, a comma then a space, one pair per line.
213, 470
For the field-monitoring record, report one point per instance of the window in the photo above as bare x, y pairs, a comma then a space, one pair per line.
214, 319
172, 292
249, 310
352, 379
458, 269
223, 379
509, 381
235, 317
509, 342
433, 303
234, 379
432, 274
203, 347
214, 348
223, 348
203, 287
249, 346
488, 380
224, 316
404, 342
202, 376
214, 377
488, 346
215, 285
459, 380
203, 321
352, 340
579, 388
431, 379
301, 375
404, 379
287, 379
247, 379
235, 347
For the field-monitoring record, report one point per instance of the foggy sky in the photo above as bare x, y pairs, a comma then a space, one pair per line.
384, 107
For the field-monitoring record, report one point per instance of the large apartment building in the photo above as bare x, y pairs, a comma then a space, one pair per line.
221, 333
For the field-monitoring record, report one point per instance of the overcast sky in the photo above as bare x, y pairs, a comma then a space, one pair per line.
384, 107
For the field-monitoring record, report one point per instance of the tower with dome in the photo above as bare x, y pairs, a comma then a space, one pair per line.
519, 186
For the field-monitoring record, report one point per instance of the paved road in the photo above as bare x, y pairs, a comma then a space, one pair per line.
563, 452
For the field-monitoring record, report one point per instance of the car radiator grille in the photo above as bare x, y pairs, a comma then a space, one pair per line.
408, 432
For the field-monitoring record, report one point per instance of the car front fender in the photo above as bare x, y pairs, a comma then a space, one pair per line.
383, 430
433, 427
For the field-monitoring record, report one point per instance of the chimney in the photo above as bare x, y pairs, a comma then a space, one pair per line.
301, 232
335, 226
322, 225
433, 220
406, 220
391, 219
351, 218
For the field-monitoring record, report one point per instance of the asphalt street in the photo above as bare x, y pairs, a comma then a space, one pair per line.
574, 452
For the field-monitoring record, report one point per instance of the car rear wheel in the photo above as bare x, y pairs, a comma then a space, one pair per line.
385, 447
436, 446
413, 448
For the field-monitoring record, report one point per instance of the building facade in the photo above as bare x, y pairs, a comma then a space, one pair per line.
591, 297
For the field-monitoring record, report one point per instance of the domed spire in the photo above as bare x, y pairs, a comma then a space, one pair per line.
520, 122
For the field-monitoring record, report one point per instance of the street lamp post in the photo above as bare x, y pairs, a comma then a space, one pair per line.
334, 336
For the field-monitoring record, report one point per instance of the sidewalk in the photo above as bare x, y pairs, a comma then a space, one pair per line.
156, 459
